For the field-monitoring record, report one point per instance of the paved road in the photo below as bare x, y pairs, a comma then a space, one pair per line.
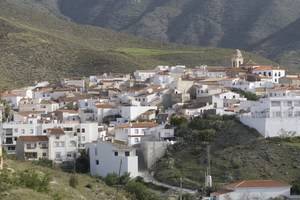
148, 178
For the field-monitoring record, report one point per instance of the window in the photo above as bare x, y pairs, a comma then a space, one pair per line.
31, 131
23, 131
57, 137
116, 153
97, 162
297, 114
83, 138
96, 151
16, 130
270, 73
136, 131
275, 103
62, 144
69, 154
68, 129
127, 153
265, 73
72, 144
44, 146
82, 130
44, 131
297, 103
78, 130
136, 140
57, 155
277, 114
44, 154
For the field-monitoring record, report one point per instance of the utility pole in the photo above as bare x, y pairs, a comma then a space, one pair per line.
119, 175
180, 188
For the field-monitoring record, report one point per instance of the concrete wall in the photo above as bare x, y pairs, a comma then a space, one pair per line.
152, 151
273, 127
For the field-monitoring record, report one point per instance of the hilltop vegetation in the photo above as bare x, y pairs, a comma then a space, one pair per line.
38, 44
237, 153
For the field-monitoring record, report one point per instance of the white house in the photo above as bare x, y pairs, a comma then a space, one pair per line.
103, 110
207, 90
269, 71
253, 189
12, 98
115, 157
132, 133
143, 75
245, 85
163, 78
131, 113
276, 115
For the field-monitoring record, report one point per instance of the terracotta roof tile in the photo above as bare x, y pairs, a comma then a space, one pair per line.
56, 131
256, 183
33, 138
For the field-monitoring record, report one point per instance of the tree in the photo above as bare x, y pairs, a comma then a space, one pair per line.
83, 162
73, 181
178, 121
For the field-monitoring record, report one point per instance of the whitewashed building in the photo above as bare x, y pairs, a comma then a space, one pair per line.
132, 133
253, 189
276, 115
269, 71
112, 157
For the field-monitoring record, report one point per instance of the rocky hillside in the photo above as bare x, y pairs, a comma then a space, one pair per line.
218, 23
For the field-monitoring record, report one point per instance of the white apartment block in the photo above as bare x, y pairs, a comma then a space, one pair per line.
276, 115
131, 113
82, 133
107, 157
268, 71
132, 133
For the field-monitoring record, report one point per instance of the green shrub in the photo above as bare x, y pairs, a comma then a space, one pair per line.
43, 163
73, 181
140, 191
32, 179
111, 179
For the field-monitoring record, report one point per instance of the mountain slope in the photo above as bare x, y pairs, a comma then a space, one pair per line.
284, 46
215, 23
37, 44
223, 23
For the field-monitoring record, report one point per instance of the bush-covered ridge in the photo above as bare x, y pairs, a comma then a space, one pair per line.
237, 153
